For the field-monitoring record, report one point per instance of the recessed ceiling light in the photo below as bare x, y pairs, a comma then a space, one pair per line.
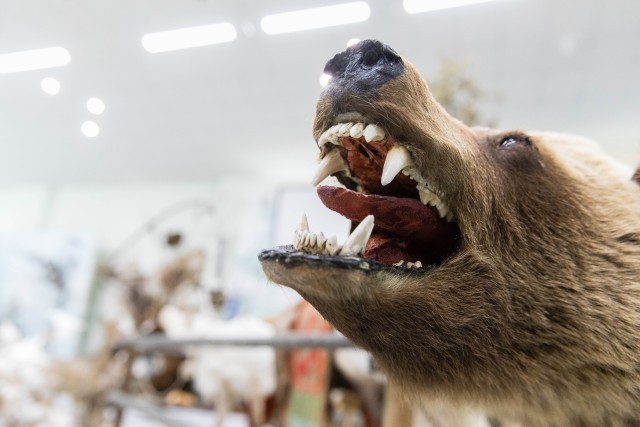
95, 106
307, 19
419, 6
50, 86
90, 129
352, 42
34, 59
324, 79
186, 38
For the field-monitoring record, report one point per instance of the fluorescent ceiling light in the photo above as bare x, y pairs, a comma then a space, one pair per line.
34, 59
419, 6
50, 86
185, 38
319, 17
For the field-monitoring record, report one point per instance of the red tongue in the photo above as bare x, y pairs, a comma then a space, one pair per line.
405, 229
396, 216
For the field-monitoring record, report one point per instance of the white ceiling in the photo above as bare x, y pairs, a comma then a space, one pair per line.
246, 107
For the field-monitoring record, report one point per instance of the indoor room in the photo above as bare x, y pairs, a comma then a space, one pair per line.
241, 213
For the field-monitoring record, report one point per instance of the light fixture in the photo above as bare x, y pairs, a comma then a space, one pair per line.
324, 79
307, 19
50, 86
186, 38
95, 106
34, 59
90, 129
352, 42
419, 6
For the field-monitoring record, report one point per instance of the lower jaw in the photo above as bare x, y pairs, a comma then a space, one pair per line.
405, 230
393, 251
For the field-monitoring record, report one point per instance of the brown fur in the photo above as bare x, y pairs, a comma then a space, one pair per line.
536, 318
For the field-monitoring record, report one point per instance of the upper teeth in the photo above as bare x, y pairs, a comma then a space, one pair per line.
352, 129
373, 133
356, 130
398, 160
428, 195
304, 240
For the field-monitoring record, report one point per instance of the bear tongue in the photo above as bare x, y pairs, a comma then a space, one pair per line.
405, 229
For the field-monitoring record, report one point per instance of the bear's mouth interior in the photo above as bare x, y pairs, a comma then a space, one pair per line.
413, 226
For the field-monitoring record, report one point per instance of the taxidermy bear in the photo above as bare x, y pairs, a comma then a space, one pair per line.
494, 269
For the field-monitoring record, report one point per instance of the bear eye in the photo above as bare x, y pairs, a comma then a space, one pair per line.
514, 141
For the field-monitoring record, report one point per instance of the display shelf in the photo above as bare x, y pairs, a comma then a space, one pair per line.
155, 343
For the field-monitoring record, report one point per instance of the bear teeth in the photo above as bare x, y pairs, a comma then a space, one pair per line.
398, 160
401, 263
373, 133
330, 164
318, 244
370, 132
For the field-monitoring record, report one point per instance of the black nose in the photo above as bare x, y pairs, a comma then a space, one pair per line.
366, 65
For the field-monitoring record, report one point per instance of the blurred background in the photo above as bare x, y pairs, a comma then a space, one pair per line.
150, 149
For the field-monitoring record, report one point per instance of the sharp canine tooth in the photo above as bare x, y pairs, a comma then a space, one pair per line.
330, 164
358, 239
356, 130
304, 224
373, 133
397, 159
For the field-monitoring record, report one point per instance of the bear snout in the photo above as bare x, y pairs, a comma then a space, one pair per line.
364, 67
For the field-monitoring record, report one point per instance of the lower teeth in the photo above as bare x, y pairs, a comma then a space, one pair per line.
401, 263
305, 241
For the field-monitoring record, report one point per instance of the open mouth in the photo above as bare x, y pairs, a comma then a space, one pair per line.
400, 219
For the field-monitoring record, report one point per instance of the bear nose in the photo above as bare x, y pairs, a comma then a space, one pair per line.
370, 63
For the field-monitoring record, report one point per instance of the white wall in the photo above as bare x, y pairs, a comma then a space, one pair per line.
23, 208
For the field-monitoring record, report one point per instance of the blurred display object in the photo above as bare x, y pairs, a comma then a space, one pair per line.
459, 94
27, 398
45, 283
310, 369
